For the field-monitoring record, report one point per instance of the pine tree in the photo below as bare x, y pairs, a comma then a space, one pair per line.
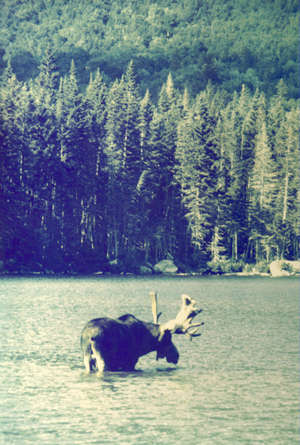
12, 194
276, 113
163, 231
78, 185
72, 95
240, 124
224, 241
124, 164
196, 173
144, 186
45, 153
287, 201
186, 100
145, 118
11, 163
262, 192
219, 242
47, 81
165, 206
96, 96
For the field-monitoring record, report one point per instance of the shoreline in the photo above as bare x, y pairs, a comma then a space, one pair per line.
50, 274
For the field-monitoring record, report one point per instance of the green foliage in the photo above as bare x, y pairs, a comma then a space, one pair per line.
228, 43
225, 266
197, 155
287, 267
262, 267
103, 179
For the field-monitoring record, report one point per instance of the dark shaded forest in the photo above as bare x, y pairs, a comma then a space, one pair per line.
228, 43
105, 179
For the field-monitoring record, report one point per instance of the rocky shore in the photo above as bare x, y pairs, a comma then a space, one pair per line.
167, 266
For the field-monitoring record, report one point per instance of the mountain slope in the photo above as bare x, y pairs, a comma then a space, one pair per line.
228, 43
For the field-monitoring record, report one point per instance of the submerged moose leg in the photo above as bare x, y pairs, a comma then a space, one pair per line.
98, 359
87, 362
88, 359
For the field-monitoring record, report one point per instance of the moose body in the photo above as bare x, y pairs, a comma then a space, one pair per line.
117, 344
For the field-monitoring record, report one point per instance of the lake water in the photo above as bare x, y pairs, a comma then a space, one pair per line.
236, 384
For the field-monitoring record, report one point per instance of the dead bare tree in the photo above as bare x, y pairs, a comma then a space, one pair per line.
117, 344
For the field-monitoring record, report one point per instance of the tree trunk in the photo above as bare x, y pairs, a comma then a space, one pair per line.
285, 197
235, 246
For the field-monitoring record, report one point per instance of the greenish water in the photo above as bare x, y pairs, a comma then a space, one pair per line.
236, 384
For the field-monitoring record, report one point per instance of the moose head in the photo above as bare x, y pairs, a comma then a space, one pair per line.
117, 344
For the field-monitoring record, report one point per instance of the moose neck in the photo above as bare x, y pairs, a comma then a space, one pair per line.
150, 342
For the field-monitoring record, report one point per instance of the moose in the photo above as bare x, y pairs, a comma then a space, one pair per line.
117, 344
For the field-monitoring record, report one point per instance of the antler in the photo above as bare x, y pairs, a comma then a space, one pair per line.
153, 296
183, 323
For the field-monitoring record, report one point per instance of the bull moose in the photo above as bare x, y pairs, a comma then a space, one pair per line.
117, 344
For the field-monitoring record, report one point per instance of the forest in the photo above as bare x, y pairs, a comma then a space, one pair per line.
108, 179
228, 43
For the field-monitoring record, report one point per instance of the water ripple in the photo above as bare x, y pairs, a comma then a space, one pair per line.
237, 384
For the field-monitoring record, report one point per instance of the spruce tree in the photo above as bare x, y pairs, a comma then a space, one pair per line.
124, 165
145, 118
12, 148
276, 113
78, 185
262, 192
47, 80
166, 208
286, 225
96, 97
241, 127
197, 155
223, 244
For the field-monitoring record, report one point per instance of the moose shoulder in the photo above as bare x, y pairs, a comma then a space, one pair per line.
117, 344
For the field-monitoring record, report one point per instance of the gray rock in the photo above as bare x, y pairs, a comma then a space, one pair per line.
165, 266
277, 268
145, 270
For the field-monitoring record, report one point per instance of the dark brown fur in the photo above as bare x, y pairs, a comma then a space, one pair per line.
117, 344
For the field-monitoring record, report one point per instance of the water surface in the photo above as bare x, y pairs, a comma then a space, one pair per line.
236, 384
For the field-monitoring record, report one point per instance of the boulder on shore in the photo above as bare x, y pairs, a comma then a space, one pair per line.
277, 268
165, 266
146, 270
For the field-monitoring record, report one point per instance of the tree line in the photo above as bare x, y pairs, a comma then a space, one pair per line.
104, 179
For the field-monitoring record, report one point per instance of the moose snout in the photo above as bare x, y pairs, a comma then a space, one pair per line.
172, 355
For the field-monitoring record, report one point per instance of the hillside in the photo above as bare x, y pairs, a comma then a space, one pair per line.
228, 43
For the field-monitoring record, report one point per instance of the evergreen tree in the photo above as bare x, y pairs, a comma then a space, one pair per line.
47, 80
196, 173
96, 97
276, 113
166, 213
145, 118
262, 190
124, 163
12, 196
242, 130
78, 184
223, 244
286, 226
145, 186
45, 171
